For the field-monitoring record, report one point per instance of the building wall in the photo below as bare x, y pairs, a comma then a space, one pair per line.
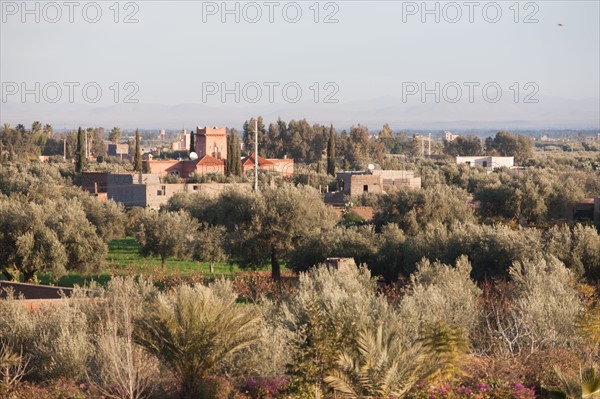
128, 194
94, 182
183, 168
413, 183
360, 184
114, 179
163, 167
211, 141
118, 149
377, 181
283, 166
487, 162
206, 169
153, 194
215, 189
159, 194
250, 167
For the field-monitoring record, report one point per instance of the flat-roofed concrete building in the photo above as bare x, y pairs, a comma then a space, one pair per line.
115, 150
487, 162
376, 181
146, 190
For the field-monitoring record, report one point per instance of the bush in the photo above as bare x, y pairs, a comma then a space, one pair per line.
265, 387
55, 338
546, 303
326, 313
120, 368
194, 328
482, 390
440, 293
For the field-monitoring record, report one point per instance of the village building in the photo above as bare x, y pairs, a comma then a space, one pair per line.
487, 162
375, 181
182, 143
283, 166
143, 189
211, 149
449, 136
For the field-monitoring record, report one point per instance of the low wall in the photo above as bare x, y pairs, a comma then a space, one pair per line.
33, 291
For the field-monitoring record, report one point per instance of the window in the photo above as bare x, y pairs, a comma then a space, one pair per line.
484, 164
366, 188
162, 191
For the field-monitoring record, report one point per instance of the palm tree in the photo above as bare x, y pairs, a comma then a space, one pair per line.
383, 368
584, 386
447, 347
191, 330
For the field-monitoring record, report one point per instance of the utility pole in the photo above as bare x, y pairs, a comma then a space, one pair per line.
256, 154
429, 144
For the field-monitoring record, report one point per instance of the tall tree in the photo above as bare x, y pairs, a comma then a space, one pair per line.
192, 141
331, 152
36, 127
48, 131
80, 154
230, 154
115, 135
249, 136
386, 132
234, 155
273, 222
137, 160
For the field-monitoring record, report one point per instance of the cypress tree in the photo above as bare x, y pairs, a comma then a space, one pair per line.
1, 152
236, 162
230, 154
80, 155
331, 153
137, 162
11, 152
192, 142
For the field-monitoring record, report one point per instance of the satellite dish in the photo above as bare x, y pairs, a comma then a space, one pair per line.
371, 167
193, 156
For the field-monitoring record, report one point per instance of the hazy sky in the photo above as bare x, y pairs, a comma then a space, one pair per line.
188, 51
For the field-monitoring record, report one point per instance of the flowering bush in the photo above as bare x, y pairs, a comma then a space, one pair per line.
265, 387
488, 390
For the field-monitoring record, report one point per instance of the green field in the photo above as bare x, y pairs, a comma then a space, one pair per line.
123, 258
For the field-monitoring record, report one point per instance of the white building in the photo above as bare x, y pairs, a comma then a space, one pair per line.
182, 143
449, 136
490, 163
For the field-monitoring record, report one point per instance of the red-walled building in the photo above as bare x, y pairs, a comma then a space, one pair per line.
211, 147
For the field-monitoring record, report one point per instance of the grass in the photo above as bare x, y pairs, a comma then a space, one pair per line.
123, 258
123, 254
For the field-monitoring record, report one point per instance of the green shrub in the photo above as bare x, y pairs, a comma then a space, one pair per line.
195, 327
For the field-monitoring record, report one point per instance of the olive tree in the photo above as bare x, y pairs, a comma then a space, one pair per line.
210, 245
53, 237
273, 222
166, 234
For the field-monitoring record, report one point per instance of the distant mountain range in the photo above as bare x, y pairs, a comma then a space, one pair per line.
548, 113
